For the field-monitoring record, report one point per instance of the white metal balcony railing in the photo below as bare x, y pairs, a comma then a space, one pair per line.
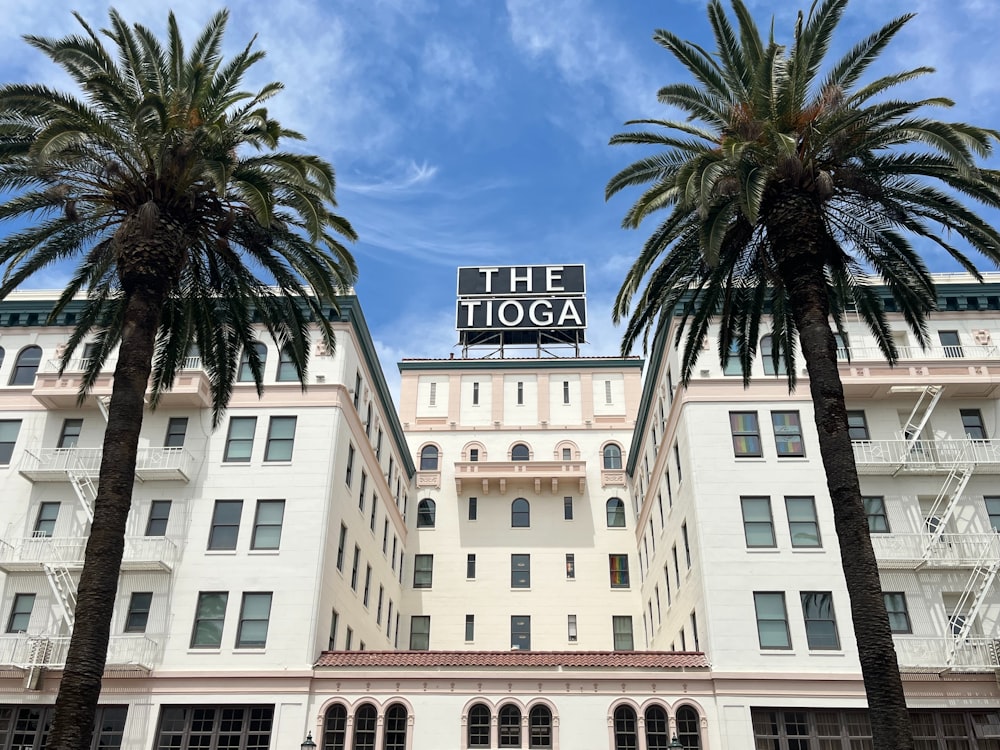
28, 651
939, 654
963, 550
930, 454
151, 463
965, 351
143, 551
81, 365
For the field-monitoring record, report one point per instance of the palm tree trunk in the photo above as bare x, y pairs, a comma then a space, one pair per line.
80, 688
801, 233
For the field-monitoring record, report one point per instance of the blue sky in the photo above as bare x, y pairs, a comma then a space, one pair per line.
469, 132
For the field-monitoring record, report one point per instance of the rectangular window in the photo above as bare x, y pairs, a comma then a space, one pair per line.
899, 615
607, 391
433, 394
565, 391
474, 454
677, 463
520, 393
470, 566
280, 439
567, 454
420, 632
354, 567
267, 524
392, 561
787, 434
758, 524
357, 390
334, 621
802, 524
231, 727
567, 509
821, 625
286, 367
520, 571
373, 517
571, 633
618, 565
159, 515
475, 394
746, 434
621, 626
378, 610
385, 536
687, 545
209, 618
694, 631
972, 424
388, 620
45, 523
341, 542
138, 612
470, 628
255, 612
239, 441
677, 567
473, 508
20, 613
361, 493
350, 465
368, 585
423, 571
349, 639
225, 524
951, 343
993, 511
857, 425
378, 446
772, 619
570, 566
878, 521
520, 632
176, 432
9, 429
70, 434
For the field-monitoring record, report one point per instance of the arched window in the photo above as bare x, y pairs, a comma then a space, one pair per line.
520, 514
657, 728
429, 458
335, 728
510, 726
395, 727
426, 513
767, 355
365, 719
612, 456
26, 366
520, 452
246, 371
688, 728
479, 726
626, 737
540, 727
616, 513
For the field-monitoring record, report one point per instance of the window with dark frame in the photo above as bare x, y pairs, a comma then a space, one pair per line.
470, 566
26, 366
803, 526
286, 367
225, 525
746, 434
45, 521
758, 523
520, 514
821, 624
787, 434
570, 566
176, 432
20, 613
878, 521
772, 620
355, 564
567, 508
520, 571
621, 627
520, 632
509, 726
239, 440
341, 542
9, 429
209, 618
70, 434
420, 632
470, 628
473, 508
972, 424
615, 508
246, 370
899, 615
857, 425
159, 516
618, 566
137, 616
227, 726
280, 439
423, 571
267, 523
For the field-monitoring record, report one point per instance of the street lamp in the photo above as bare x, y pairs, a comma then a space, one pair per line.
310, 745
674, 743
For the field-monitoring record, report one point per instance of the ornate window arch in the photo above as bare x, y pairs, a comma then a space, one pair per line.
395, 726
543, 725
560, 453
616, 513
430, 456
26, 366
509, 725
426, 513
365, 726
474, 451
688, 722
335, 727
479, 718
520, 514
520, 452
623, 723
611, 457
657, 726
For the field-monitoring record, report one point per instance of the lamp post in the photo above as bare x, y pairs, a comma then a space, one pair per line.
309, 744
674, 743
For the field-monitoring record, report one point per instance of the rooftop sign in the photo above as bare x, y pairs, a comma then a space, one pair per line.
521, 298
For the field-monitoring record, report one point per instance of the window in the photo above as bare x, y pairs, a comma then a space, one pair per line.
378, 445
341, 542
365, 722
231, 727
899, 615
334, 621
209, 618
474, 454
688, 728
520, 632
254, 615
420, 632
470, 566
335, 728
361, 492
626, 733
429, 458
746, 434
687, 545
45, 523
570, 566
423, 571
758, 525
565, 391
567, 454
612, 457
802, 525
381, 599
395, 728
520, 571
479, 726
619, 571
993, 511
368, 421
571, 633
657, 728
70, 434
280, 439
950, 342
621, 626
616, 513
385, 536
540, 727
267, 524
767, 355
225, 524
426, 511
772, 619
259, 353
972, 423
520, 452
878, 521
239, 441
286, 367
159, 515
470, 628
432, 400
350, 465
567, 509
694, 630
821, 625
857, 425
368, 585
475, 394
9, 429
787, 433
520, 393
176, 432
20, 613
520, 514
473, 508
26, 366
677, 463
607, 392
354, 567
677, 568
509, 726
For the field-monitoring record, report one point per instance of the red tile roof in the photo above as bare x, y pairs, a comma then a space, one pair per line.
502, 659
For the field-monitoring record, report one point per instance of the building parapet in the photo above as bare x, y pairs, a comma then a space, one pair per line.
541, 473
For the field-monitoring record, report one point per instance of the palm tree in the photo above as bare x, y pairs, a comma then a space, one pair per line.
779, 193
164, 182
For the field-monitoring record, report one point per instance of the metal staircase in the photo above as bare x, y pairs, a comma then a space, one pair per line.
86, 491
64, 587
917, 420
976, 591
947, 498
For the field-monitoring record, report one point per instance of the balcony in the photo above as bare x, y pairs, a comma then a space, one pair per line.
935, 655
30, 554
925, 456
152, 464
911, 551
550, 475
191, 387
125, 652
965, 369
